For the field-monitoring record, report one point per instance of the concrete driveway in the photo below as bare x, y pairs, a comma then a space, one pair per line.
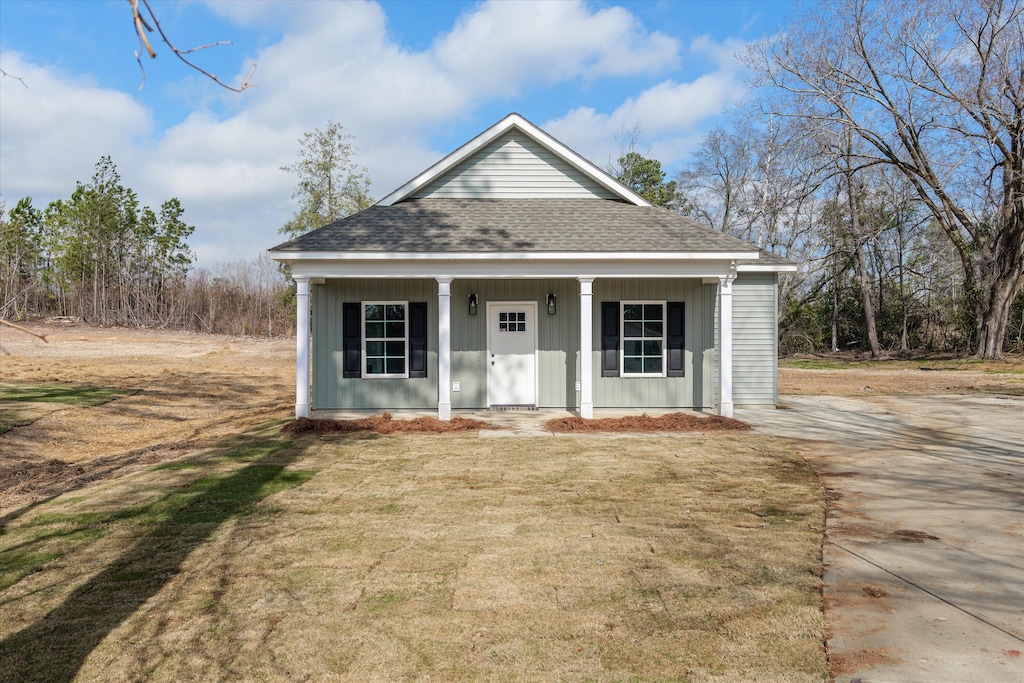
924, 556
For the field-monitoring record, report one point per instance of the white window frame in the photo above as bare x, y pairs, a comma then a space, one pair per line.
622, 338
362, 337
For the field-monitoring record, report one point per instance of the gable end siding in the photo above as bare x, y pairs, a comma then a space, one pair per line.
513, 167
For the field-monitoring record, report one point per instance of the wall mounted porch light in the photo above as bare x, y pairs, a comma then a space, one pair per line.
551, 304
472, 304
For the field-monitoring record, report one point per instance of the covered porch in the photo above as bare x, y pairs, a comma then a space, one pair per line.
563, 309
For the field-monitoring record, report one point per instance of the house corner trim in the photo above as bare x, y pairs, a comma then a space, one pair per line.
302, 370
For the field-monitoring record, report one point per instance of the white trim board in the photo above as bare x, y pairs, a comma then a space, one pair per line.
513, 256
637, 268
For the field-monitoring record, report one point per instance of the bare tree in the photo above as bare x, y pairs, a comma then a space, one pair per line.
717, 181
937, 91
859, 244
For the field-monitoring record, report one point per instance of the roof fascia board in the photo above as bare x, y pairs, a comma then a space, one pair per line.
350, 256
535, 133
637, 268
766, 267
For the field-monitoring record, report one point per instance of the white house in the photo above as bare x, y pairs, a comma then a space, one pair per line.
513, 274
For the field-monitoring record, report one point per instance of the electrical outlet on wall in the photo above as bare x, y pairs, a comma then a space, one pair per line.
578, 386
456, 386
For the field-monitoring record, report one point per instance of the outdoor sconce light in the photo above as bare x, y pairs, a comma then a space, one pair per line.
472, 304
551, 304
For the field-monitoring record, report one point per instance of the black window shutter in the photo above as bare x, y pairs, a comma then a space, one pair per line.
351, 339
676, 339
609, 338
418, 339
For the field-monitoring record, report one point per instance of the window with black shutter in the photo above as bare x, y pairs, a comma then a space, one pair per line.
643, 339
384, 339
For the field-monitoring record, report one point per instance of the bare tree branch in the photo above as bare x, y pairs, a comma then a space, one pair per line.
142, 27
23, 329
4, 74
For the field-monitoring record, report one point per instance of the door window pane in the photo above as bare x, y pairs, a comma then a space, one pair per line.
513, 321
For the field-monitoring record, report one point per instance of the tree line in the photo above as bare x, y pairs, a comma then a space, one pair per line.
102, 257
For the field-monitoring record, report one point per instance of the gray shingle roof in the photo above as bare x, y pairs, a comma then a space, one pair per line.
514, 225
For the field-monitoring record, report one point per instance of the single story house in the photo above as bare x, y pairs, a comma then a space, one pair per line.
515, 274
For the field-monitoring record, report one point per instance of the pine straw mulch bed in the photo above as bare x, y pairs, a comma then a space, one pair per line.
387, 424
673, 422
384, 424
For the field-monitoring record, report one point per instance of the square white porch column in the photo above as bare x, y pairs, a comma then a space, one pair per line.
587, 347
725, 343
302, 382
444, 348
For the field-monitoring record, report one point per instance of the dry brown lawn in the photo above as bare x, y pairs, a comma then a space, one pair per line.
187, 391
164, 536
412, 557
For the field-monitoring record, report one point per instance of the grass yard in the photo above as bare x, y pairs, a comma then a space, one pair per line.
22, 405
447, 557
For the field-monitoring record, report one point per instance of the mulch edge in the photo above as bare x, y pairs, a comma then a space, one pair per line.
671, 422
384, 424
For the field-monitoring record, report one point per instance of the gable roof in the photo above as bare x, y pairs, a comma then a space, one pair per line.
508, 226
514, 122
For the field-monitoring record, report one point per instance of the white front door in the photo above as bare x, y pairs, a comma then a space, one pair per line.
512, 355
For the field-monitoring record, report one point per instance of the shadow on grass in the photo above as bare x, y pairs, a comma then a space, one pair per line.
55, 647
72, 394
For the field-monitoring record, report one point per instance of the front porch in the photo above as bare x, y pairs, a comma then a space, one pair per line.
462, 355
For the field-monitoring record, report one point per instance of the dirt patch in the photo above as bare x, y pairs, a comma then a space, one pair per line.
912, 536
840, 664
851, 375
384, 424
673, 422
173, 393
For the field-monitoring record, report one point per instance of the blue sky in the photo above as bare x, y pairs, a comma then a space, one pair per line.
410, 80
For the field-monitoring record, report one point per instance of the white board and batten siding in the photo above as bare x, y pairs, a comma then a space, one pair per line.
513, 166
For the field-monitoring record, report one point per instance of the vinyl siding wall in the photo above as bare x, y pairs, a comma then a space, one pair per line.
513, 166
755, 351
694, 389
332, 391
754, 344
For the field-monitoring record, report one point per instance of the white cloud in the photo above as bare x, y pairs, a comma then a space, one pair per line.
670, 114
493, 51
336, 61
53, 131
